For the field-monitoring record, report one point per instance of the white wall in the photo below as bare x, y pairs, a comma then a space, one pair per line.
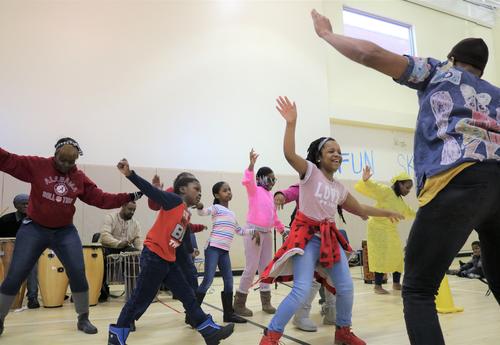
179, 84
191, 84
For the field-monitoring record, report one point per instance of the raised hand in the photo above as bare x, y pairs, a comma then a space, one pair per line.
367, 173
287, 109
253, 158
322, 24
156, 182
279, 200
124, 167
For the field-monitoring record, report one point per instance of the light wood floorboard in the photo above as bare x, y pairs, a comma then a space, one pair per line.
378, 319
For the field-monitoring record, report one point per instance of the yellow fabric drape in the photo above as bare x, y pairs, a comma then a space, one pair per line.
385, 253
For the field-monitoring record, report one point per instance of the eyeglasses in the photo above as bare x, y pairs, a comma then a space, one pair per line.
271, 179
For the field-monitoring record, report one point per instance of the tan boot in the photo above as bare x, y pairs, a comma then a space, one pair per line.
265, 299
239, 307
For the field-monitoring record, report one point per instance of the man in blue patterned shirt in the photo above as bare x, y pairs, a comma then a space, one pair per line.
457, 166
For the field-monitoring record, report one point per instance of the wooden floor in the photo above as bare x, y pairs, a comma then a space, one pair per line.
377, 319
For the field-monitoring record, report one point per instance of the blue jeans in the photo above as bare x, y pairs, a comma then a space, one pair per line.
31, 240
154, 270
303, 273
217, 257
471, 200
32, 283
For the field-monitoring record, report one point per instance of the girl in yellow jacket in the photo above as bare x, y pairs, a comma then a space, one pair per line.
384, 243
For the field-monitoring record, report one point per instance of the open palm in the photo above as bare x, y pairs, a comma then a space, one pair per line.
287, 109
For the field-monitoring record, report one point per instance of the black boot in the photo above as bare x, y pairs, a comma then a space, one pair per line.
33, 303
1, 326
213, 333
84, 324
104, 295
117, 335
227, 306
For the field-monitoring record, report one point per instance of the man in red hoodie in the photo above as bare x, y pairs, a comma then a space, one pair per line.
56, 183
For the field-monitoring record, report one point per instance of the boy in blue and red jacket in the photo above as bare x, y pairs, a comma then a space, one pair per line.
158, 260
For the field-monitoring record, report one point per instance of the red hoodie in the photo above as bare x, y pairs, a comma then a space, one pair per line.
53, 194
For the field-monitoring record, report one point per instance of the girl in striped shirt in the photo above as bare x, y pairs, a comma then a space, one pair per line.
217, 248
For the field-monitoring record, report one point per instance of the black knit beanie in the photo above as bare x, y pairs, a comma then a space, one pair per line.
472, 51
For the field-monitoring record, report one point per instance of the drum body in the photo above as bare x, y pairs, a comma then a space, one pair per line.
114, 269
52, 279
94, 270
131, 268
6, 253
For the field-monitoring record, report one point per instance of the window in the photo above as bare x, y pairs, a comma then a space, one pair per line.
389, 34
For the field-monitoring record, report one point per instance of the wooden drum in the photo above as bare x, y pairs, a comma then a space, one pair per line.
6, 252
52, 279
94, 270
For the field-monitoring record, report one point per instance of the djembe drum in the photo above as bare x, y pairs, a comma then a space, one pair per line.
131, 268
114, 269
94, 270
52, 279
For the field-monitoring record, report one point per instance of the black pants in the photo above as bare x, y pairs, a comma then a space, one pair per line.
185, 262
379, 277
470, 201
154, 270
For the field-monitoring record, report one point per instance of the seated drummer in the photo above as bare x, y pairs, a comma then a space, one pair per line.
9, 224
120, 233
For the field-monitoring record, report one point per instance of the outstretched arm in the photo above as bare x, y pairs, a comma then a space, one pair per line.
165, 199
352, 205
363, 52
288, 110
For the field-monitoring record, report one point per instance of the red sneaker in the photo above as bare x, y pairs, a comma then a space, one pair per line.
270, 338
344, 336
